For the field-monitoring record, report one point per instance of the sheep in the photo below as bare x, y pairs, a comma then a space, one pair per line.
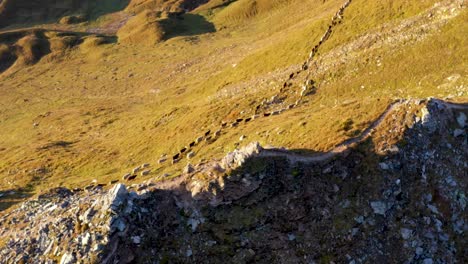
162, 160
190, 155
192, 144
131, 178
176, 156
208, 138
126, 176
223, 124
198, 140
135, 170
234, 124
145, 172
247, 119
183, 150
207, 133
291, 75
239, 120
217, 133
255, 117
266, 114
291, 106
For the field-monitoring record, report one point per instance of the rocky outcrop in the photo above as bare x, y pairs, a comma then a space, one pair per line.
398, 196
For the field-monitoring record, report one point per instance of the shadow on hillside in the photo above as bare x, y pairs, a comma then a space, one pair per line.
30, 46
9, 198
32, 13
188, 25
271, 211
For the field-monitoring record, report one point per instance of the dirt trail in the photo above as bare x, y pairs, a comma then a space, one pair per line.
296, 158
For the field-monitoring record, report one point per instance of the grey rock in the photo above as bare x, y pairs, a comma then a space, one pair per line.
116, 196
136, 239
458, 132
67, 258
406, 233
359, 219
379, 207
419, 251
428, 261
384, 166
118, 224
461, 119
86, 239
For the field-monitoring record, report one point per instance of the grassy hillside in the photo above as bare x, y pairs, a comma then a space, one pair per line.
97, 111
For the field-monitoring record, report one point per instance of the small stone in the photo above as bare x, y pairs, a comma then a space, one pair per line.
119, 225
428, 261
406, 233
461, 119
384, 166
116, 196
98, 247
189, 253
359, 219
136, 239
291, 237
86, 239
458, 132
419, 251
379, 207
433, 209
67, 258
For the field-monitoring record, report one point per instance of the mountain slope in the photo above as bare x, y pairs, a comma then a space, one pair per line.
97, 109
396, 196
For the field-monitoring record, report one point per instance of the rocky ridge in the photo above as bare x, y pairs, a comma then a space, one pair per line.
398, 196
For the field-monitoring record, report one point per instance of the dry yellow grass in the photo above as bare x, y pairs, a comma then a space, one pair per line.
117, 106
